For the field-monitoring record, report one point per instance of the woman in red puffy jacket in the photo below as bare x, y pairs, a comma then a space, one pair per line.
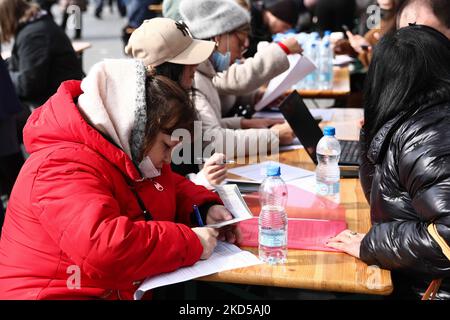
96, 208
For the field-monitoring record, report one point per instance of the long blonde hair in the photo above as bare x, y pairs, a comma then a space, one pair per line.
13, 13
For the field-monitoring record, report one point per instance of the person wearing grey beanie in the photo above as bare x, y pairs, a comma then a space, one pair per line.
221, 83
209, 18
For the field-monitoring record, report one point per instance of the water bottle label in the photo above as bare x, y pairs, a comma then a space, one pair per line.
325, 189
272, 238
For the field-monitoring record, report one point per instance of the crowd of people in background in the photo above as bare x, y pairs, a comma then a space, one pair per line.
98, 158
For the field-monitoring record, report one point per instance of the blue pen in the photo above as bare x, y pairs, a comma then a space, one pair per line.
199, 217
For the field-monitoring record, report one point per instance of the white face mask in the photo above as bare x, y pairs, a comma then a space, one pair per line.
147, 168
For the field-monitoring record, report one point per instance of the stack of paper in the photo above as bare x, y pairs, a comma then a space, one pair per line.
303, 234
226, 256
257, 171
233, 201
299, 67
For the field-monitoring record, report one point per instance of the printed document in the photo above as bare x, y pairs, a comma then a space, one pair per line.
257, 171
299, 67
233, 201
226, 256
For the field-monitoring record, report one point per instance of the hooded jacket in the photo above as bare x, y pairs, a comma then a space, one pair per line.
405, 174
74, 227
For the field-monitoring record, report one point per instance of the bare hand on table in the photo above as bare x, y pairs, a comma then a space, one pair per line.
347, 241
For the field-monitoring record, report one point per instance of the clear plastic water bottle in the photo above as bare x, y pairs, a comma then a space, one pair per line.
326, 35
327, 171
273, 222
325, 78
311, 78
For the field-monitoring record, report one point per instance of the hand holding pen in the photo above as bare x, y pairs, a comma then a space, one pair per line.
358, 43
207, 236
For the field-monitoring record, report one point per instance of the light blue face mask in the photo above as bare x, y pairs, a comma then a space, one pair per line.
220, 61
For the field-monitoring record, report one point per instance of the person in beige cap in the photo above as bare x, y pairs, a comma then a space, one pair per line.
167, 48
218, 79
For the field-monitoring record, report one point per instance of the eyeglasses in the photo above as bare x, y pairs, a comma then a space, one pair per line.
243, 40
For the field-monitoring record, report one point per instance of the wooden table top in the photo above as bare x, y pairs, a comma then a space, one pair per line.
155, 8
341, 85
78, 46
315, 270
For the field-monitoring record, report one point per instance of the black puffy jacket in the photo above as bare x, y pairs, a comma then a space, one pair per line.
405, 174
42, 58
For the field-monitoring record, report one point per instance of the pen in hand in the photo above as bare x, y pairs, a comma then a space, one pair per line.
198, 216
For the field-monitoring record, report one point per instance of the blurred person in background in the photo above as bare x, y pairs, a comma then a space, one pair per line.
11, 158
270, 17
433, 13
120, 6
332, 14
47, 5
361, 46
137, 12
42, 55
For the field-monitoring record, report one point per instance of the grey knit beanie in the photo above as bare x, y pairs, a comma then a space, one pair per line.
210, 18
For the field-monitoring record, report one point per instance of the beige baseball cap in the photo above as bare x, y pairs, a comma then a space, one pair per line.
160, 40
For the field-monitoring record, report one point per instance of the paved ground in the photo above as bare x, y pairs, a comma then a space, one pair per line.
104, 35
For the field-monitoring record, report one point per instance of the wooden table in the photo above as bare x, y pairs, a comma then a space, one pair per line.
341, 86
315, 270
78, 46
155, 8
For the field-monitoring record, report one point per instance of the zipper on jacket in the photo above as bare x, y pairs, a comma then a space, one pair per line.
158, 186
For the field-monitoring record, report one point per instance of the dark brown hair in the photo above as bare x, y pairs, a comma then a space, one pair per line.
169, 107
13, 13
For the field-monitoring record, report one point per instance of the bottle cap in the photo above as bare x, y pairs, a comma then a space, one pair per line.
329, 131
273, 170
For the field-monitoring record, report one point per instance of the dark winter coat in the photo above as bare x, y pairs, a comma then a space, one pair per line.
405, 174
42, 58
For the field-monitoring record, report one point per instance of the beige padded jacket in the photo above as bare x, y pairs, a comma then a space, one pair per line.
216, 94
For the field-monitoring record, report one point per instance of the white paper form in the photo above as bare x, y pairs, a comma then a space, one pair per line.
299, 67
233, 201
306, 183
257, 171
226, 256
342, 59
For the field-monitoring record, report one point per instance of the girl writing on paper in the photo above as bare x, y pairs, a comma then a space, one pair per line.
96, 208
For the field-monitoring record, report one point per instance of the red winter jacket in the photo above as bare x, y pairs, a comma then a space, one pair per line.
71, 209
